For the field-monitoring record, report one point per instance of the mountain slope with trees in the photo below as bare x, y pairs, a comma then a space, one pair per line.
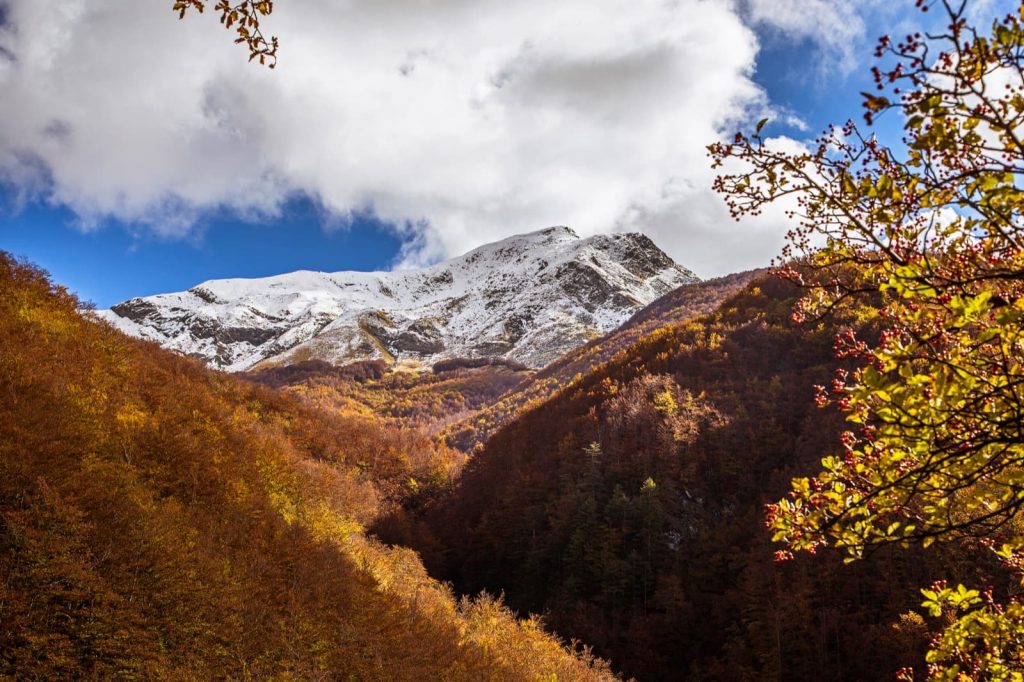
629, 509
687, 301
162, 521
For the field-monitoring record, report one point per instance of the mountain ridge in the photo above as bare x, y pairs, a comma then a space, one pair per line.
527, 298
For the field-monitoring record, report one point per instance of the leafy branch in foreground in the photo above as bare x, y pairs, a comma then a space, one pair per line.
244, 18
928, 239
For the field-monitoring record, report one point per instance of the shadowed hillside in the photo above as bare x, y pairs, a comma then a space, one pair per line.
629, 508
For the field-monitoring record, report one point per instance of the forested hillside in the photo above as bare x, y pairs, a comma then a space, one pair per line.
162, 521
629, 507
684, 303
426, 401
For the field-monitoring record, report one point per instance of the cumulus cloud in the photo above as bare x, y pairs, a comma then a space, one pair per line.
457, 121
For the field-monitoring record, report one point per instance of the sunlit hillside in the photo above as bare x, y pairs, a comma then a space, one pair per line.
162, 521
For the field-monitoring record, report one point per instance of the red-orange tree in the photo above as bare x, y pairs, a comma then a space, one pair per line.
929, 239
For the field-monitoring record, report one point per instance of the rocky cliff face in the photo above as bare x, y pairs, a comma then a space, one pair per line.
529, 298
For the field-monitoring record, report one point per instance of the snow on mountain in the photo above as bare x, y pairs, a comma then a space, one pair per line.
528, 298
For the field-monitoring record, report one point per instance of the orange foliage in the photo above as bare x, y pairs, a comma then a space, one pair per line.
162, 521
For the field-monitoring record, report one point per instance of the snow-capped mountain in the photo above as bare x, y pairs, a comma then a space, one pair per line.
528, 298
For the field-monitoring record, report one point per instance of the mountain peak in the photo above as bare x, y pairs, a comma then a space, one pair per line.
530, 298
518, 243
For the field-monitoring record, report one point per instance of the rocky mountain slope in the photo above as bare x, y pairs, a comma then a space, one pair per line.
528, 298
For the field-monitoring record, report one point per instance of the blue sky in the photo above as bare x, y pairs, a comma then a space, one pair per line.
109, 263
104, 236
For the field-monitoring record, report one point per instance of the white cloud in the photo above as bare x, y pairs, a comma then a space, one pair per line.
461, 121
837, 28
